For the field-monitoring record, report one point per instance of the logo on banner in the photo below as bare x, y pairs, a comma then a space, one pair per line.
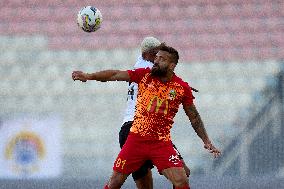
25, 150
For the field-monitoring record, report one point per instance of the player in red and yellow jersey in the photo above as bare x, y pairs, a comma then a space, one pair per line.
160, 92
157, 103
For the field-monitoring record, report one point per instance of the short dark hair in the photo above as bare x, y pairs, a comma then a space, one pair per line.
171, 50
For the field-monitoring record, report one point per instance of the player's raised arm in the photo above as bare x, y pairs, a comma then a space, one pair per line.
106, 75
199, 128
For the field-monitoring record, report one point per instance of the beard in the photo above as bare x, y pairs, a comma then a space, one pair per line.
158, 71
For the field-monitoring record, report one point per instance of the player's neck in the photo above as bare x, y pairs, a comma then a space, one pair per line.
167, 77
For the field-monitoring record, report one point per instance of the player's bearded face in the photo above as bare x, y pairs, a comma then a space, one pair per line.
161, 64
158, 70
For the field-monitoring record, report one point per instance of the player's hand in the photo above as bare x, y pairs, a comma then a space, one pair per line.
79, 75
212, 149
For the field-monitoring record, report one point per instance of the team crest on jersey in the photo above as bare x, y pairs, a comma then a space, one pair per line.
172, 94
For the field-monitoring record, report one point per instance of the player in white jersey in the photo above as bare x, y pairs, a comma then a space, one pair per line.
132, 90
143, 176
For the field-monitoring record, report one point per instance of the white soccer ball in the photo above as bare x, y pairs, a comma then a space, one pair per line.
89, 19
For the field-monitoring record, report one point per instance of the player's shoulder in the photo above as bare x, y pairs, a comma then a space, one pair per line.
139, 72
180, 81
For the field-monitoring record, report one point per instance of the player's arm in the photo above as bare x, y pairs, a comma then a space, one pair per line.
199, 128
106, 75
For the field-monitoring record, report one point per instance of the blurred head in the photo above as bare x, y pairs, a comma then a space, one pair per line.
165, 61
149, 48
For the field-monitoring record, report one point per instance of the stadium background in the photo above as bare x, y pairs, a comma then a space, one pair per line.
231, 50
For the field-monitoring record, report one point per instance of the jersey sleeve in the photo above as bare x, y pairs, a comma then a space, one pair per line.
188, 97
136, 75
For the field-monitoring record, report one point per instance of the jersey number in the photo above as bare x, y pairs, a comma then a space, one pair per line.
120, 163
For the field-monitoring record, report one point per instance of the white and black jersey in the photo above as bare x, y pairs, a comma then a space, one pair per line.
132, 91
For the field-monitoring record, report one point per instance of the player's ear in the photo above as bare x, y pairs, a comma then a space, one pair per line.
172, 66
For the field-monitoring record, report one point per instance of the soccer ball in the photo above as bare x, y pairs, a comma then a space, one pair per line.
89, 19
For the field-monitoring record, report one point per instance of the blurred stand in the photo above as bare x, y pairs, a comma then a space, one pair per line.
231, 51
